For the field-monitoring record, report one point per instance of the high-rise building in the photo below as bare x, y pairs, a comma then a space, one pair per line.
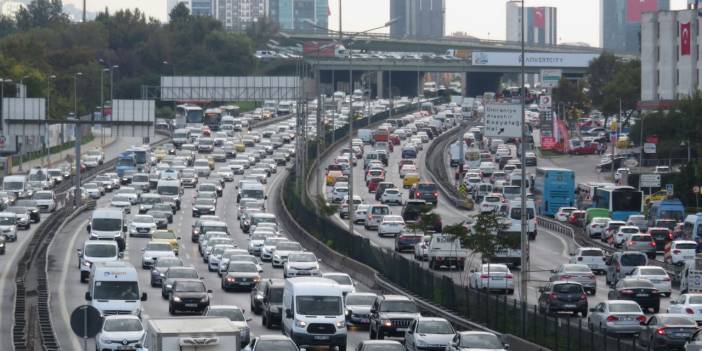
296, 15
417, 18
237, 15
620, 29
540, 25
202, 7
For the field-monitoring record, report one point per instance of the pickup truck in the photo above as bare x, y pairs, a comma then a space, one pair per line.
445, 250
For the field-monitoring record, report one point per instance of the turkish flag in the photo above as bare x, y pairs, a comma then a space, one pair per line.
539, 17
685, 39
634, 9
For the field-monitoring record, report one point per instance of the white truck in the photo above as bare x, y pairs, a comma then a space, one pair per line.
190, 334
446, 250
691, 276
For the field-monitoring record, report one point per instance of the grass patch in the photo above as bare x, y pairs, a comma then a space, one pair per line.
52, 150
246, 106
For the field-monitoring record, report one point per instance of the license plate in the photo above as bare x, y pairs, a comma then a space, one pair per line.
245, 283
402, 329
688, 257
569, 306
655, 281
681, 335
642, 295
190, 305
321, 337
496, 278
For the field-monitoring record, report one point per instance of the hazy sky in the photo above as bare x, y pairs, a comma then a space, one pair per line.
578, 20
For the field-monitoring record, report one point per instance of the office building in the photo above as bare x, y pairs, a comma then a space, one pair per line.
422, 19
202, 7
237, 15
296, 15
540, 25
620, 23
670, 55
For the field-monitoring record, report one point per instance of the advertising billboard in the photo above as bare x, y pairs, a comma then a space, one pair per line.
533, 59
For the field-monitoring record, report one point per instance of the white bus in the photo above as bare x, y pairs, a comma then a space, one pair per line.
189, 116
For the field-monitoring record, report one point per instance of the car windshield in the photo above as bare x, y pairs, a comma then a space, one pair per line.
43, 196
340, 279
398, 306
244, 267
652, 271
360, 300
319, 305
435, 327
495, 268
204, 202
307, 257
13, 185
140, 178
481, 341
98, 250
567, 288
168, 190
624, 307
596, 253
187, 286
157, 247
288, 247
116, 290
143, 219
577, 268
278, 345
122, 325
120, 198
234, 314
106, 224
675, 320
243, 258
182, 273
516, 213
633, 260
169, 262
686, 246
636, 283
7, 220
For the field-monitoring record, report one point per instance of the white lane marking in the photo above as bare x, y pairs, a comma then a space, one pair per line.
65, 317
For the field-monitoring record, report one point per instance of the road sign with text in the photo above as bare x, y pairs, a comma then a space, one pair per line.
503, 120
650, 181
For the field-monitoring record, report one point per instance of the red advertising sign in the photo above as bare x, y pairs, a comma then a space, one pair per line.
685, 39
634, 9
539, 17
547, 142
652, 139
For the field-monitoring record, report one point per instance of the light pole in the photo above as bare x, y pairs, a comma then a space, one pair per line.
102, 104
2, 91
24, 138
523, 235
112, 82
76, 130
173, 68
48, 116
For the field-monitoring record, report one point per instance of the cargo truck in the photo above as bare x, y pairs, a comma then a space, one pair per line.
190, 334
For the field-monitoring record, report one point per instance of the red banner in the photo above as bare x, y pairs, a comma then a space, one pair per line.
685, 41
652, 139
634, 9
547, 142
539, 17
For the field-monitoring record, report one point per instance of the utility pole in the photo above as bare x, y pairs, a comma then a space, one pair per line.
341, 31
84, 17
48, 116
24, 105
76, 130
616, 130
523, 293
102, 104
351, 113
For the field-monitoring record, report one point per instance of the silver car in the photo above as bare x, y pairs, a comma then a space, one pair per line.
574, 272
428, 333
616, 317
643, 243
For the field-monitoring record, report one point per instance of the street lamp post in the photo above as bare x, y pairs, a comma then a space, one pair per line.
102, 104
24, 138
523, 235
77, 193
47, 135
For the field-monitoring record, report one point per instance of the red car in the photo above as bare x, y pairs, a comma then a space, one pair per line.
394, 139
578, 147
372, 184
577, 218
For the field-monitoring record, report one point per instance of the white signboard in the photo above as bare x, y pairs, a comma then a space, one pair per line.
533, 59
649, 148
247, 88
650, 181
28, 135
545, 102
550, 77
136, 111
503, 120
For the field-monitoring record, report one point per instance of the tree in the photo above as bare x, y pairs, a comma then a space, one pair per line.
570, 93
624, 86
180, 14
41, 13
599, 73
7, 25
262, 30
484, 238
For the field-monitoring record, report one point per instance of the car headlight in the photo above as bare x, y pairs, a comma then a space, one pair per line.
419, 342
168, 286
387, 323
300, 324
87, 264
276, 257
176, 299
340, 324
204, 299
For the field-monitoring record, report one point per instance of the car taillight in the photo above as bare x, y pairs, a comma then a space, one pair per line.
653, 243
641, 318
612, 318
666, 279
626, 292
676, 251
660, 331
630, 243
436, 194
552, 296
670, 235
689, 311
417, 194
565, 277
617, 267
583, 296
580, 258
509, 276
484, 276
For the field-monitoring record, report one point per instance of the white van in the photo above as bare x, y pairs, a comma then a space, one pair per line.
95, 251
181, 136
18, 186
515, 214
170, 190
113, 288
251, 190
313, 312
108, 224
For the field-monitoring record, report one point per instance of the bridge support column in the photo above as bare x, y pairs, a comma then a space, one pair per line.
379, 84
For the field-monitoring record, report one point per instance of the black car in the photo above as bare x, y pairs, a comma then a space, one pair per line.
203, 207
166, 207
273, 303
661, 236
563, 296
641, 291
407, 240
381, 188
398, 310
188, 295
31, 205
413, 209
161, 266
172, 274
667, 332
426, 191
161, 218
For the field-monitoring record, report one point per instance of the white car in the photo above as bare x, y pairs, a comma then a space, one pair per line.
153, 251
624, 233
492, 277
339, 193
424, 331
129, 192
226, 173
360, 214
344, 280
406, 169
391, 225
301, 264
236, 318
122, 201
686, 303
120, 332
8, 225
344, 208
142, 225
269, 246
656, 275
593, 257
93, 190
282, 251
391, 196
46, 200
679, 251
563, 213
490, 203
597, 226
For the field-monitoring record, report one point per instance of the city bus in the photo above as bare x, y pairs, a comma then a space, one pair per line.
141, 158
188, 116
553, 188
213, 118
621, 201
231, 110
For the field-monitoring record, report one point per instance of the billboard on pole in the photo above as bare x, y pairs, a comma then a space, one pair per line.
28, 135
503, 120
136, 118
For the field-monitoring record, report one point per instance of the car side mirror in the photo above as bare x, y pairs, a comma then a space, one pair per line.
591, 309
209, 291
507, 347
472, 270
265, 197
288, 313
178, 238
144, 297
673, 302
121, 254
80, 252
88, 297
88, 228
553, 271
